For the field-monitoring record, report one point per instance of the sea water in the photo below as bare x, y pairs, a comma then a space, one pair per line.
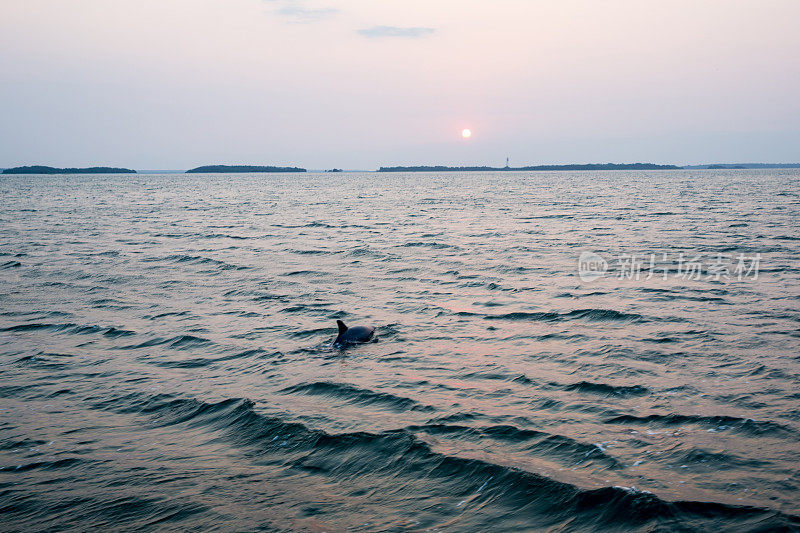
577, 350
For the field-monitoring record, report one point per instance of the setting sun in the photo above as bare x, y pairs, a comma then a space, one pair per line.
466, 134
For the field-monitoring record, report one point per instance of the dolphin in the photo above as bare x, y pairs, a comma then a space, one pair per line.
354, 335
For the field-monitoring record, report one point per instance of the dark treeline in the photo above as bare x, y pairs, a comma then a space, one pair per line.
208, 169
735, 166
593, 166
40, 169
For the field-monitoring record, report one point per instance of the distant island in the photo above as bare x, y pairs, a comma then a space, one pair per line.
739, 166
209, 169
40, 169
593, 166
334, 170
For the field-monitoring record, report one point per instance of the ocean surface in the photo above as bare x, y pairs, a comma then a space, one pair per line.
166, 359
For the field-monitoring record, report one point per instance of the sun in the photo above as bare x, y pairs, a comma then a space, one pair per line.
466, 134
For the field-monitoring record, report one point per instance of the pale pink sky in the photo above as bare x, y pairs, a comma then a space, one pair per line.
360, 83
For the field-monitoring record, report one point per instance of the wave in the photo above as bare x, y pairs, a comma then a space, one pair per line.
715, 461
221, 236
499, 376
396, 467
357, 395
305, 333
187, 340
33, 326
595, 315
255, 295
45, 360
309, 225
715, 423
166, 314
566, 450
434, 245
547, 217
366, 251
305, 273
24, 442
76, 329
195, 260
43, 465
606, 389
177, 342
198, 362
309, 252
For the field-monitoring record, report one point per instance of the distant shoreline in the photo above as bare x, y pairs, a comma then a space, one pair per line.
227, 169
40, 169
593, 166
589, 166
255, 169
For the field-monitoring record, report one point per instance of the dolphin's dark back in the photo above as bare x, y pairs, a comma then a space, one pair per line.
354, 335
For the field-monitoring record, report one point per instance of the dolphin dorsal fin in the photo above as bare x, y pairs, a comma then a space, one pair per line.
342, 327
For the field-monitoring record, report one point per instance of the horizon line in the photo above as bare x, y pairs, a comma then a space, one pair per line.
462, 167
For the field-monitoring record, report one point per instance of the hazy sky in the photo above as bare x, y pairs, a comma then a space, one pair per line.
171, 84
